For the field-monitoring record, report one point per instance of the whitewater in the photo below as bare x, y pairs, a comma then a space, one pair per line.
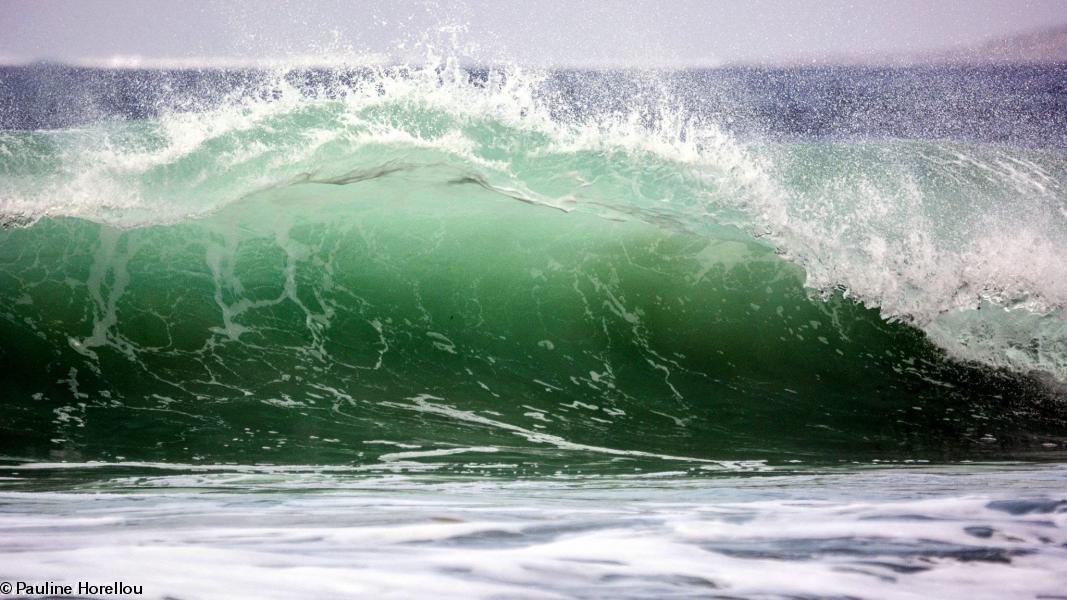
498, 332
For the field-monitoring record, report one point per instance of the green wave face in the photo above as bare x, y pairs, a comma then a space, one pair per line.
424, 274
310, 323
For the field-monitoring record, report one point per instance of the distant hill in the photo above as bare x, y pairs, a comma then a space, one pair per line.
1036, 47
1044, 46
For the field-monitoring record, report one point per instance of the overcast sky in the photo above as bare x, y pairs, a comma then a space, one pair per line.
637, 33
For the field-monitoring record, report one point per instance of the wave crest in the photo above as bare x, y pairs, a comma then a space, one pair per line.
962, 240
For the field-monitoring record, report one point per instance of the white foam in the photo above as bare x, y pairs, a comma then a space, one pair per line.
893, 534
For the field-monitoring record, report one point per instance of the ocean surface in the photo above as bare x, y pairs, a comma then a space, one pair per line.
438, 331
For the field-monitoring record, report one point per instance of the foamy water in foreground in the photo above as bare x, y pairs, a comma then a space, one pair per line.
936, 532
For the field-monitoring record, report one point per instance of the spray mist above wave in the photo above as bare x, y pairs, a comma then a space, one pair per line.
962, 239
